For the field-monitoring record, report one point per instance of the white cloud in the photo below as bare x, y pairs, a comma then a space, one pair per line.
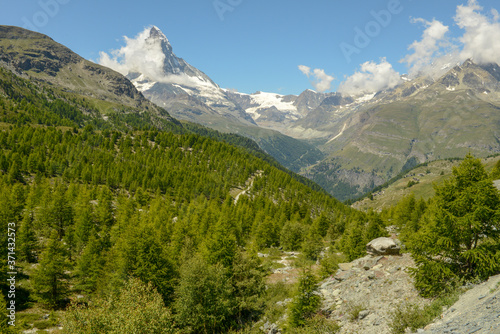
426, 51
372, 78
481, 40
305, 69
321, 82
142, 55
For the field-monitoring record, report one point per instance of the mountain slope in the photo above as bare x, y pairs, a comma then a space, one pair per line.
45, 60
189, 94
456, 114
103, 193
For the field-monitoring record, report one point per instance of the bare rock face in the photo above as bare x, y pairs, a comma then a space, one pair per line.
383, 246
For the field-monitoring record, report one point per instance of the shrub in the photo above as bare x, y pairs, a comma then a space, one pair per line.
330, 263
137, 308
412, 316
318, 324
354, 309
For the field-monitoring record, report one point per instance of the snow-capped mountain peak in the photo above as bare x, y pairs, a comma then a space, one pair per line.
156, 35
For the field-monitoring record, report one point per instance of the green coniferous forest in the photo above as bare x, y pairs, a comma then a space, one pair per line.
120, 219
141, 212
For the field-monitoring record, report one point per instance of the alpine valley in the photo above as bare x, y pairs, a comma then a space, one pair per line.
158, 202
347, 144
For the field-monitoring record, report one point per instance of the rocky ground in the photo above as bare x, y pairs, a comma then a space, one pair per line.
363, 293
477, 311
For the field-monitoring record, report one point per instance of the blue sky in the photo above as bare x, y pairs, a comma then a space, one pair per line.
252, 45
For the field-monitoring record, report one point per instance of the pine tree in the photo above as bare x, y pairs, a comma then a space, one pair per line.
60, 209
27, 241
352, 243
89, 265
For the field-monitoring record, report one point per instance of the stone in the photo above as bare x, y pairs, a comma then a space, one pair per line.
269, 328
363, 314
327, 284
383, 246
345, 266
343, 275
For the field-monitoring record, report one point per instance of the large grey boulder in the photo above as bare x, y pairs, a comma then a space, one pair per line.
383, 246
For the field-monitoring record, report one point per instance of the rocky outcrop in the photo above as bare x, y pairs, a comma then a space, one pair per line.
363, 295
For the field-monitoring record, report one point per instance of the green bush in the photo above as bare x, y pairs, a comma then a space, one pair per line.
354, 309
330, 263
411, 183
318, 324
137, 308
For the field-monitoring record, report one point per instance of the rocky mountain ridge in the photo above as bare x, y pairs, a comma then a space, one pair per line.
477, 311
25, 51
368, 139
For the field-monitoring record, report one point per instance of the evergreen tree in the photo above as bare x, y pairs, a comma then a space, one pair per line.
306, 302
459, 238
60, 209
292, 235
248, 285
27, 241
220, 244
49, 279
352, 243
89, 266
375, 227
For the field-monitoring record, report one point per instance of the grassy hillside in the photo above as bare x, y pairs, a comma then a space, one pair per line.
419, 181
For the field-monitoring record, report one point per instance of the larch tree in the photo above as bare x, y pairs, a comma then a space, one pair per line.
459, 237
